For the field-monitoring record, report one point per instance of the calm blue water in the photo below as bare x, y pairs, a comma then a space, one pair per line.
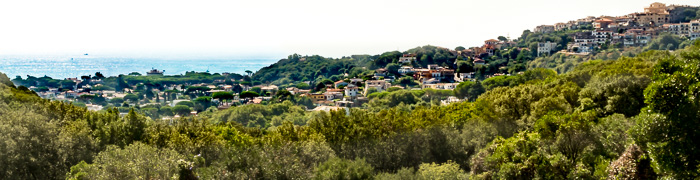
64, 67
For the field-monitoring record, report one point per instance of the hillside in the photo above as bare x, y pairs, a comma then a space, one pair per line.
558, 46
630, 117
564, 101
508, 60
297, 68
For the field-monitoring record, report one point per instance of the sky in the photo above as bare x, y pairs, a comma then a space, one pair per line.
275, 29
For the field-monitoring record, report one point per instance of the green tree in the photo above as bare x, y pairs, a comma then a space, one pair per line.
306, 102
67, 84
322, 84
149, 94
256, 90
131, 98
664, 42
181, 110
465, 67
249, 94
135, 161
371, 91
337, 168
283, 95
134, 74
134, 127
319, 87
186, 103
222, 95
99, 75
166, 111
237, 88
391, 99
393, 68
449, 170
667, 127
469, 89
116, 101
34, 147
425, 58
617, 94
202, 103
501, 38
499, 160
197, 90
302, 85
407, 81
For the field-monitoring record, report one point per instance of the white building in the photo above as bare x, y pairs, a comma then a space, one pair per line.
600, 37
356, 80
544, 29
405, 70
93, 107
478, 61
583, 43
694, 35
351, 90
407, 58
380, 85
460, 77
47, 95
694, 30
451, 100
545, 48
445, 86
332, 95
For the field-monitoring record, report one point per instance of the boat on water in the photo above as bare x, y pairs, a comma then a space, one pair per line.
155, 72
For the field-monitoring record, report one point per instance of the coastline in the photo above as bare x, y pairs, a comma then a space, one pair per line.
66, 67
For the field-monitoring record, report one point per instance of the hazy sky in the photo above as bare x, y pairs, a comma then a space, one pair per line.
274, 29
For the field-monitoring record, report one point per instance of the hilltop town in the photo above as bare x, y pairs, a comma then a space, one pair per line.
635, 29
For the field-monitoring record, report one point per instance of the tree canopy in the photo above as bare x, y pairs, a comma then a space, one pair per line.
632, 117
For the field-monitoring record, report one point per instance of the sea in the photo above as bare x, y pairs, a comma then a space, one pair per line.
59, 67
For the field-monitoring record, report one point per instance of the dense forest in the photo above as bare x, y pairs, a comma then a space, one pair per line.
629, 118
